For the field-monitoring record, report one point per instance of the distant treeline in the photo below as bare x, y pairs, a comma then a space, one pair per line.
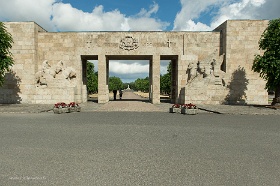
115, 83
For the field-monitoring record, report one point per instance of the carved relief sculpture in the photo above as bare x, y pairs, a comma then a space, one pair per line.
129, 43
208, 68
192, 71
50, 74
149, 43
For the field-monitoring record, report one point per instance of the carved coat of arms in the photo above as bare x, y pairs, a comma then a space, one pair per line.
129, 43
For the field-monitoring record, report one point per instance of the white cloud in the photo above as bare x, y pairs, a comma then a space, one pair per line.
128, 67
144, 13
163, 66
191, 10
129, 70
225, 10
143, 20
192, 26
245, 9
65, 17
144, 24
39, 11
55, 15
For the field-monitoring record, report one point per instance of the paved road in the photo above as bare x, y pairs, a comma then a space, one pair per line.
139, 148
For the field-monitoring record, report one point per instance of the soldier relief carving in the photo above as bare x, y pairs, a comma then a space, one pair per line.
129, 43
208, 69
49, 75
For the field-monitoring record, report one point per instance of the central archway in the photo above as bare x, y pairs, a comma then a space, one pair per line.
154, 74
132, 58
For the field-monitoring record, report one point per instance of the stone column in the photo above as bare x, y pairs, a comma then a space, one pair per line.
174, 81
103, 95
84, 80
84, 93
155, 86
150, 79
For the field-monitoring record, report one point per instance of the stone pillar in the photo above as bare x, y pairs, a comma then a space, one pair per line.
84, 93
155, 86
150, 80
84, 80
103, 92
174, 81
78, 93
107, 72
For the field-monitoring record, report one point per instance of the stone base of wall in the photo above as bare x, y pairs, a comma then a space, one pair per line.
52, 95
84, 94
212, 94
216, 95
9, 96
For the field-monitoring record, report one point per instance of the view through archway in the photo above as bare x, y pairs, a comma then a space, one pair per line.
130, 74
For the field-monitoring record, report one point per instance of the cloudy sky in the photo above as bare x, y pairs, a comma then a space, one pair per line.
129, 15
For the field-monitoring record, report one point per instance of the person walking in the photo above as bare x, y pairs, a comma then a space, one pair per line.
120, 92
115, 94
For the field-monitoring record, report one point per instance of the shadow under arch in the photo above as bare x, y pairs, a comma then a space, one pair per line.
237, 88
11, 89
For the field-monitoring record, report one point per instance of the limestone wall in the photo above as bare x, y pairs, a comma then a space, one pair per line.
63, 81
71, 47
199, 48
232, 81
19, 84
209, 67
241, 45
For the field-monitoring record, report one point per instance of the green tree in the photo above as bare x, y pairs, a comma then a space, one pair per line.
142, 84
268, 64
6, 60
132, 85
92, 79
165, 81
115, 83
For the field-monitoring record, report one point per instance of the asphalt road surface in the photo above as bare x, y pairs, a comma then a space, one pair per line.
126, 148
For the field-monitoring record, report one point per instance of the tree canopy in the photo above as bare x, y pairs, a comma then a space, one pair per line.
142, 84
6, 60
115, 83
268, 64
92, 78
165, 81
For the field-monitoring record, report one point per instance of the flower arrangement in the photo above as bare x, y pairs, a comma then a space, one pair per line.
73, 104
189, 109
184, 109
60, 105
176, 106
189, 106
74, 107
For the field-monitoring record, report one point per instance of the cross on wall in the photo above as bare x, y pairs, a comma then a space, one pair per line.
168, 43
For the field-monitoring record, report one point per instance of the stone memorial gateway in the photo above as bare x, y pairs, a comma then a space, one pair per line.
207, 67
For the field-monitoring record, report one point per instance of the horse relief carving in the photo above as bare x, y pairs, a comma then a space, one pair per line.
49, 74
208, 68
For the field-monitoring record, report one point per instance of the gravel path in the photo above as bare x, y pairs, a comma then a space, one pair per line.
130, 102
